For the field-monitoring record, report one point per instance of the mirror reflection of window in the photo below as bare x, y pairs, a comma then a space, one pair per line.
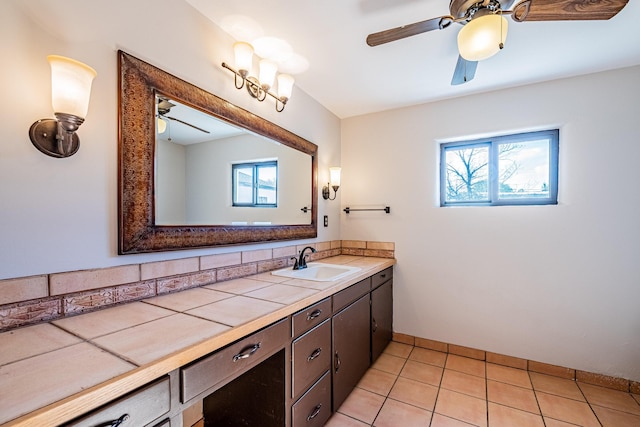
255, 184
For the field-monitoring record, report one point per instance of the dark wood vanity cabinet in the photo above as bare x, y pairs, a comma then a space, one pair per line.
358, 322
381, 312
351, 338
310, 365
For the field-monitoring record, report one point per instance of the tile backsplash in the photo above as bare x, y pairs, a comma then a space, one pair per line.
34, 299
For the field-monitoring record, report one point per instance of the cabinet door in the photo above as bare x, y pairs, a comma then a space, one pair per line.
381, 318
351, 344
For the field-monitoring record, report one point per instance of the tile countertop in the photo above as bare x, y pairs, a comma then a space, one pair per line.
53, 372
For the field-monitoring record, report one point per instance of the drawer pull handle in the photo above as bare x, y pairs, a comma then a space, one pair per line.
315, 412
118, 422
314, 314
314, 354
375, 325
336, 364
247, 352
382, 276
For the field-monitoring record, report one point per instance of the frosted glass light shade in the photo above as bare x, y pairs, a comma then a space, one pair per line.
285, 86
334, 176
268, 72
244, 56
480, 38
70, 85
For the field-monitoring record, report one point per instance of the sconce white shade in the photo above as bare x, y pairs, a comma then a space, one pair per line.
285, 86
334, 176
482, 37
162, 125
268, 72
70, 85
244, 56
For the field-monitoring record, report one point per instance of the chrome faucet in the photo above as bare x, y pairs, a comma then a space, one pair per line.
301, 263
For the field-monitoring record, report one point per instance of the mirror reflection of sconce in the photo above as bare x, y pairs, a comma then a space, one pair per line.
260, 88
334, 178
70, 92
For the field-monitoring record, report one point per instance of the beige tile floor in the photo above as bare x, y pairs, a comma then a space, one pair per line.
411, 386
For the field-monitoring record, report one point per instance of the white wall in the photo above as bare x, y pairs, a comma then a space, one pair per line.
61, 214
557, 284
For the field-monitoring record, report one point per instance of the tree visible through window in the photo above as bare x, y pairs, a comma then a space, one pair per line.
255, 184
504, 170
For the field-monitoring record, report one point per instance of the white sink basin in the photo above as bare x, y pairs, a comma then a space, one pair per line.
318, 272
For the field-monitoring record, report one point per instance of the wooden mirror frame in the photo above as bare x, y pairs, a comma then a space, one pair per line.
138, 84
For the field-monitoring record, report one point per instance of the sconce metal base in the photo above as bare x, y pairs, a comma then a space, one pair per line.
255, 90
326, 192
44, 135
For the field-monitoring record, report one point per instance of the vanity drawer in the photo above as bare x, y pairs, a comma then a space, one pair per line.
138, 408
310, 317
381, 277
350, 294
311, 356
233, 359
314, 408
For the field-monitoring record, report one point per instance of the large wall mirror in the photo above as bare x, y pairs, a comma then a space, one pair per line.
197, 171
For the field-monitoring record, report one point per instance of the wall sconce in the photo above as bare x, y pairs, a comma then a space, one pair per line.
334, 178
70, 92
260, 88
483, 36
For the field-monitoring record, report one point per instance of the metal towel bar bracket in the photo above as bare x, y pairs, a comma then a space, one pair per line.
387, 209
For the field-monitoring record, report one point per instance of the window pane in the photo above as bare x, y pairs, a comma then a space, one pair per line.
467, 177
267, 177
243, 179
523, 169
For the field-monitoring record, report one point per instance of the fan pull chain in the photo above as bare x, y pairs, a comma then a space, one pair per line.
501, 45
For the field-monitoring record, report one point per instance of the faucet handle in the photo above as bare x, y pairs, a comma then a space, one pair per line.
295, 263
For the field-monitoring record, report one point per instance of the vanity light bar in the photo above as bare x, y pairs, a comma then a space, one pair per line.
258, 91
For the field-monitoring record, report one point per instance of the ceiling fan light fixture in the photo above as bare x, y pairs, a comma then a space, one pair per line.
482, 37
162, 125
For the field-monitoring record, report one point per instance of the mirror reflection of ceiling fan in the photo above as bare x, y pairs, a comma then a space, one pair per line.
484, 28
164, 108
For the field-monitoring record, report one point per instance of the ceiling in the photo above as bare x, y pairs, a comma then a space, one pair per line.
350, 78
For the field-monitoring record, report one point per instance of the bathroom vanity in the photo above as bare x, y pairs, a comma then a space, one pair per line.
292, 366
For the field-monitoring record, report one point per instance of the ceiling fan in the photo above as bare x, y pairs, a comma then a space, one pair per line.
165, 106
485, 28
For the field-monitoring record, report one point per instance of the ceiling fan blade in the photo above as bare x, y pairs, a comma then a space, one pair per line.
409, 30
464, 72
185, 123
566, 10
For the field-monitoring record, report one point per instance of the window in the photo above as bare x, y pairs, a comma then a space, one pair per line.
255, 184
519, 169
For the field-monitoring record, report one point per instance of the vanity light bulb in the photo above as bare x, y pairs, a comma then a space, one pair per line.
244, 57
268, 72
285, 86
334, 174
70, 85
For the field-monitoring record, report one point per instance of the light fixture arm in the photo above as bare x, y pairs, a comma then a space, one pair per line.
254, 88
